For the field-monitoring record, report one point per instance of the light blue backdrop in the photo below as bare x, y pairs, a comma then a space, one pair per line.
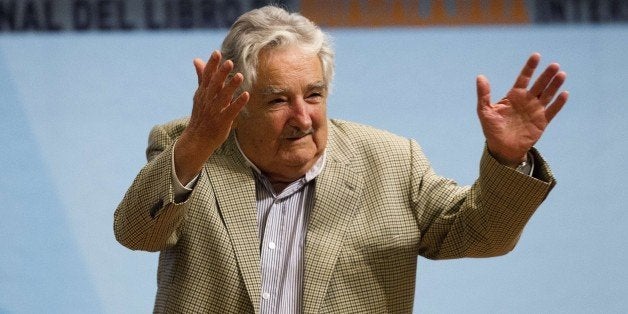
76, 110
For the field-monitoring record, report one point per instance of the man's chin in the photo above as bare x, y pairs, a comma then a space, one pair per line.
298, 160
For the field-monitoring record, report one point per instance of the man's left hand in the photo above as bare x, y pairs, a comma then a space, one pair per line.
515, 123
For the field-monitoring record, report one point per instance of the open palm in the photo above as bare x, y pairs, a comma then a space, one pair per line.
515, 123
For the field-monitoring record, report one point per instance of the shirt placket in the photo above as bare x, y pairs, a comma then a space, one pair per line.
274, 253
271, 256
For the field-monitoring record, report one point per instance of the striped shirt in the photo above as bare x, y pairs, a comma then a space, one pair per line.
282, 222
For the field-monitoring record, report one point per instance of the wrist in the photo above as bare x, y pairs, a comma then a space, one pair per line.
510, 162
188, 161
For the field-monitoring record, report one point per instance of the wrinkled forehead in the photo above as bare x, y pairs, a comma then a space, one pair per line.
275, 90
287, 65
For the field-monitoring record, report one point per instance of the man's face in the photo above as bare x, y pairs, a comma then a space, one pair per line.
284, 131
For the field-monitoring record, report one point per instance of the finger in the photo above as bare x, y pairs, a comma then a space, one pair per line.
483, 92
551, 90
218, 79
210, 67
226, 94
556, 106
199, 65
544, 79
528, 70
232, 111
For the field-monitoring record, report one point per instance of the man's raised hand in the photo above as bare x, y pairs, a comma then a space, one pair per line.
214, 110
515, 123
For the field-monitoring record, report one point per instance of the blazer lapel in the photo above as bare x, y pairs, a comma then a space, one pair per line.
234, 185
337, 194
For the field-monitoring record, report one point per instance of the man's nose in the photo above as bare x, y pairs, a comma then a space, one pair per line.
301, 115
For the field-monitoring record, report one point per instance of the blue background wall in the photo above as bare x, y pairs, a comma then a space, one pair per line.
75, 111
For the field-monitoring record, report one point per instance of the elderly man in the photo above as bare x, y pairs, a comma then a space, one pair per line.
258, 203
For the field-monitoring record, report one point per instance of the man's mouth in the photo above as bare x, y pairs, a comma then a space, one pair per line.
298, 134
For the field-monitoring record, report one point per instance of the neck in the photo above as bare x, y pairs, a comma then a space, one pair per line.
279, 186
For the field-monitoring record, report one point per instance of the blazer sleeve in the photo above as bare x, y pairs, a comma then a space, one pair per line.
148, 217
483, 220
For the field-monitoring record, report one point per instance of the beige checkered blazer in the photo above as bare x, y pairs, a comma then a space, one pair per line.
378, 205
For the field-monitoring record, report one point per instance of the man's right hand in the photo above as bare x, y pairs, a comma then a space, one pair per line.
213, 113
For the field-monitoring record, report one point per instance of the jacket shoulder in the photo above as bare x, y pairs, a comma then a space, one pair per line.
171, 129
364, 138
163, 135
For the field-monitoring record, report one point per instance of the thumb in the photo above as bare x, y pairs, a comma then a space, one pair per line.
484, 91
199, 65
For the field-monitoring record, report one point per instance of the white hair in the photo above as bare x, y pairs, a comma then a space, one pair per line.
271, 27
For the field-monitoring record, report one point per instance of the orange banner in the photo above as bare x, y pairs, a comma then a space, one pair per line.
379, 13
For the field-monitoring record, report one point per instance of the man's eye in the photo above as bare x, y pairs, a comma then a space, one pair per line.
315, 97
277, 101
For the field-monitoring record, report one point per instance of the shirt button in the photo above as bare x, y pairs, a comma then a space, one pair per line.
266, 295
272, 245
